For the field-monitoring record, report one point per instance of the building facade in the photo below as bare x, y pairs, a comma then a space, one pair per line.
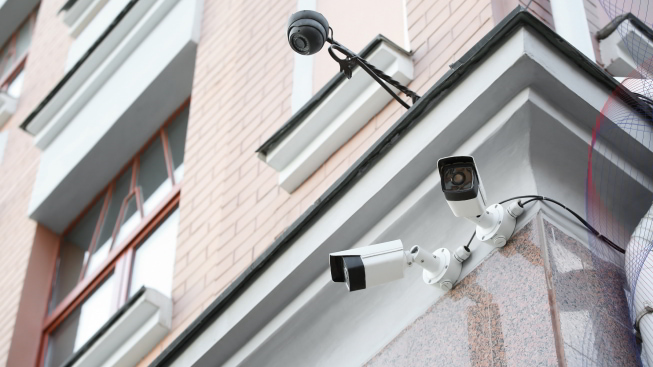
173, 177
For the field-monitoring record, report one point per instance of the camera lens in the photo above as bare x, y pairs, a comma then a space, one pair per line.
299, 42
458, 178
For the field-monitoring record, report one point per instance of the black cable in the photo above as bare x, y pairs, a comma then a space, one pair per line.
501, 202
580, 219
470, 242
529, 4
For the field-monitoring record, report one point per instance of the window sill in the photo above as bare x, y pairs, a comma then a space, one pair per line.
78, 16
333, 116
7, 107
615, 54
130, 334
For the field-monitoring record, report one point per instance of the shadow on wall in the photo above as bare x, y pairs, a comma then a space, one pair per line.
509, 313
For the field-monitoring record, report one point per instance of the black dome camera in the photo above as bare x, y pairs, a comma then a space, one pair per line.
307, 32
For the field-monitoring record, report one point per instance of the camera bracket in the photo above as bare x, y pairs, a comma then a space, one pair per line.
352, 59
495, 225
442, 267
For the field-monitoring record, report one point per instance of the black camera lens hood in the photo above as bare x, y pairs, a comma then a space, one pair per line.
308, 15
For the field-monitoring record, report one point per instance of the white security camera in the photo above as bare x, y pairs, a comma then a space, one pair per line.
368, 266
365, 267
463, 189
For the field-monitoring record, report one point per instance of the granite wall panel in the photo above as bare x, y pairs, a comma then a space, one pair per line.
542, 300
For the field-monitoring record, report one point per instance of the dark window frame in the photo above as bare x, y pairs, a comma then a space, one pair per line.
119, 261
17, 62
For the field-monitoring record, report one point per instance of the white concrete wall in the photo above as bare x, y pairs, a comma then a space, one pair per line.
113, 99
93, 30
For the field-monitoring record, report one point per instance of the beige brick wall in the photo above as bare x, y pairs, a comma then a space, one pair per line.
231, 206
44, 68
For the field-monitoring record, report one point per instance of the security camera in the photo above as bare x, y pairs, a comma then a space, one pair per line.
365, 267
307, 32
462, 186
463, 189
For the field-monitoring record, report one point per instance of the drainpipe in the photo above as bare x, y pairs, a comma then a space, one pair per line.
571, 23
639, 248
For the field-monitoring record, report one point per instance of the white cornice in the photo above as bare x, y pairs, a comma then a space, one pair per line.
517, 101
95, 70
337, 118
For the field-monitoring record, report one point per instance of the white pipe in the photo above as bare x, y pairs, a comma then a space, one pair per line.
571, 23
639, 248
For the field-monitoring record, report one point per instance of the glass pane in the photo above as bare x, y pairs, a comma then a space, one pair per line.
155, 259
16, 85
131, 219
153, 176
23, 39
95, 311
80, 324
177, 140
5, 62
120, 192
73, 251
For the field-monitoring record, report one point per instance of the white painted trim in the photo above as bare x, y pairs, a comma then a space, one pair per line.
571, 23
76, 20
97, 69
7, 107
406, 34
75, 12
338, 117
133, 335
616, 55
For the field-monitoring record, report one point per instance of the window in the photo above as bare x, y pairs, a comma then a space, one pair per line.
13, 55
124, 240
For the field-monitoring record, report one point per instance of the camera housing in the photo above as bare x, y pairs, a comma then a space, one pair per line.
463, 189
365, 267
462, 186
307, 32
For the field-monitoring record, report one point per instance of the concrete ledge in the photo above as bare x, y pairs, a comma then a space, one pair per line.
108, 108
127, 339
336, 118
7, 107
617, 56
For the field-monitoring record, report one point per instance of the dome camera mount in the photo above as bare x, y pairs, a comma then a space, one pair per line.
308, 31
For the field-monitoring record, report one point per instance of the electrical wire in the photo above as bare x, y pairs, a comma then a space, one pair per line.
580, 219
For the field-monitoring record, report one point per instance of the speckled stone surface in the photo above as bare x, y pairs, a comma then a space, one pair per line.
497, 316
503, 313
591, 302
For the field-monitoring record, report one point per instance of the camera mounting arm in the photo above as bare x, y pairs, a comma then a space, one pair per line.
352, 59
307, 32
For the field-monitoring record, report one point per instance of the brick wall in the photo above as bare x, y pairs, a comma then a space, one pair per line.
231, 206
44, 68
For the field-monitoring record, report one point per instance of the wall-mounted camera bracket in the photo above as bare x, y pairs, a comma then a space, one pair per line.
352, 59
495, 225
